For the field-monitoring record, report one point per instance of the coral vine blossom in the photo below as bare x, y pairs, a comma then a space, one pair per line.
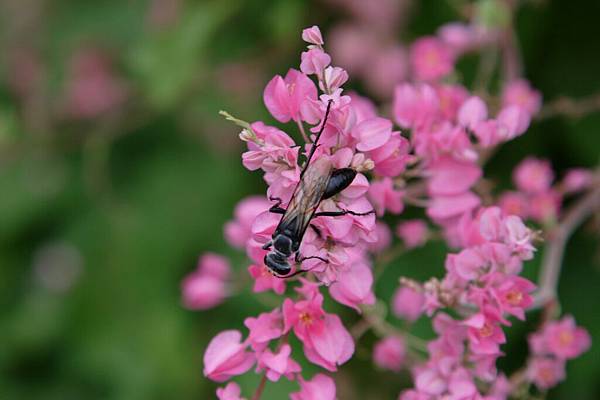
428, 154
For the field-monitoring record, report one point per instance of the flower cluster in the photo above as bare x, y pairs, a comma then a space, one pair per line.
325, 343
434, 162
482, 282
551, 347
536, 197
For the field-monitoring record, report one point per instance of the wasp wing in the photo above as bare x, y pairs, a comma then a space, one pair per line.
306, 198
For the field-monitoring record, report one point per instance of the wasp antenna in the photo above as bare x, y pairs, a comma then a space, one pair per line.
315, 143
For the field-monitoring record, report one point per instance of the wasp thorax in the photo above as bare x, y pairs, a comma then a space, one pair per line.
283, 245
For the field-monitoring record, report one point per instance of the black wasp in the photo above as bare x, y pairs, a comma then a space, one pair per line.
318, 181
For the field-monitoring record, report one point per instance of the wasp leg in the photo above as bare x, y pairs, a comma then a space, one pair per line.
341, 212
317, 231
267, 246
276, 209
299, 258
340, 179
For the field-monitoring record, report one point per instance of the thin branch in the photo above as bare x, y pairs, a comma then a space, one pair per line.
302, 131
555, 247
260, 388
568, 107
485, 69
383, 328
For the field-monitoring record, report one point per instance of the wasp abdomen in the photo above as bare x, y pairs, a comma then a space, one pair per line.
340, 179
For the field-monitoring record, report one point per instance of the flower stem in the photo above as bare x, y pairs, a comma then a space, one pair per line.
260, 388
573, 108
555, 247
302, 131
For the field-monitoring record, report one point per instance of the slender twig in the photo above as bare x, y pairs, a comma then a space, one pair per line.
572, 108
556, 243
260, 388
386, 258
302, 131
383, 328
485, 69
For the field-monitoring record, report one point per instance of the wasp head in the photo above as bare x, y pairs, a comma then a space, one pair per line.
277, 263
276, 260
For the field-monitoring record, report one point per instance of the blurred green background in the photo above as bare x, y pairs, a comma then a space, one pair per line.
116, 173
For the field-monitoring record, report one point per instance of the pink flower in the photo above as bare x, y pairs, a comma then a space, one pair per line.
546, 372
372, 133
206, 287
230, 392
468, 264
352, 46
461, 385
353, 286
545, 206
501, 388
304, 316
518, 237
284, 97
383, 196
412, 394
514, 203
330, 346
577, 179
278, 364
239, 230
264, 328
384, 238
214, 265
430, 59
391, 159
491, 224
566, 340
314, 61
484, 333
408, 303
520, 93
450, 176
445, 207
335, 77
225, 357
389, 67
264, 280
430, 381
313, 35
416, 106
452, 97
201, 292
533, 175
321, 387
389, 353
93, 88
513, 121
270, 148
458, 36
412, 232
513, 295
472, 112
